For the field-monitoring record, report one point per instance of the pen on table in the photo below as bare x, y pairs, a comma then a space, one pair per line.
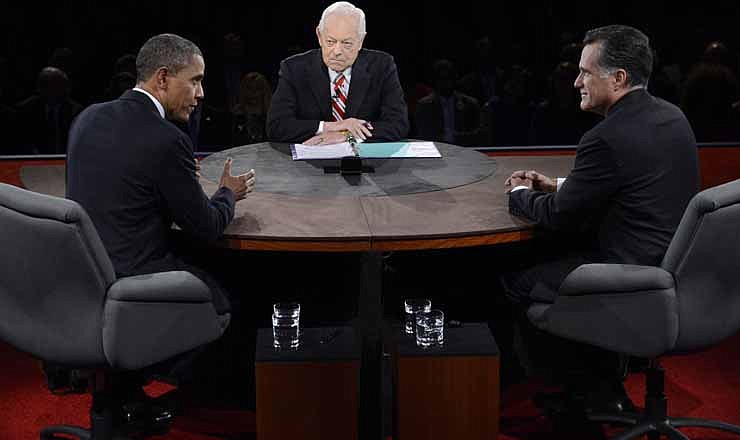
331, 335
352, 143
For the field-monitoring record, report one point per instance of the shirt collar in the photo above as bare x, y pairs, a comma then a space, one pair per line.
159, 106
347, 74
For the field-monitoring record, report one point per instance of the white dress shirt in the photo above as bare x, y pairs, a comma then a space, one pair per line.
160, 108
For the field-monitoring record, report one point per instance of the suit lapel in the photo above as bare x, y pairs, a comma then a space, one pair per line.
357, 85
319, 80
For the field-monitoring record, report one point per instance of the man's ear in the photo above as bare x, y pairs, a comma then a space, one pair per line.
620, 79
318, 36
162, 76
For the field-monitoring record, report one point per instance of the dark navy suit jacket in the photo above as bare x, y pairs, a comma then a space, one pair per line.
633, 177
134, 173
302, 97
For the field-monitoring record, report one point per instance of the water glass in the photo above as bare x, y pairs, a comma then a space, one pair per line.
411, 307
430, 328
285, 309
286, 330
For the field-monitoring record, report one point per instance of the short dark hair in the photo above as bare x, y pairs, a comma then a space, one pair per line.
164, 50
623, 47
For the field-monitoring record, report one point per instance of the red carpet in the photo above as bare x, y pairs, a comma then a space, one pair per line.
698, 385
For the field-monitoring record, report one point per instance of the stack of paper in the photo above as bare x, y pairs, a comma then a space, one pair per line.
380, 150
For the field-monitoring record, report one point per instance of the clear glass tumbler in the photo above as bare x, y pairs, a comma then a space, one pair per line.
411, 307
286, 329
430, 328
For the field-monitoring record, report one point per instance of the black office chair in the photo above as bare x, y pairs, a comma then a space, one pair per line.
61, 302
689, 303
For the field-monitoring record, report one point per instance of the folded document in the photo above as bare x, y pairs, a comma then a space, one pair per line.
380, 150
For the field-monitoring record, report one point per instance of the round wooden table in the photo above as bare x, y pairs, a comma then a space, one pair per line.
469, 214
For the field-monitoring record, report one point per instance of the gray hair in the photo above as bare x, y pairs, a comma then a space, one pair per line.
165, 50
623, 47
344, 8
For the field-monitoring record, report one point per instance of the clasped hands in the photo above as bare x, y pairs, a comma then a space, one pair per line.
532, 180
336, 132
240, 185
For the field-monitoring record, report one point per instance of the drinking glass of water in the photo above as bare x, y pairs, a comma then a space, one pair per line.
286, 330
430, 330
411, 307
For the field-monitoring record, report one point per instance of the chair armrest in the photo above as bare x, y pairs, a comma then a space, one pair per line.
590, 279
625, 308
150, 318
174, 286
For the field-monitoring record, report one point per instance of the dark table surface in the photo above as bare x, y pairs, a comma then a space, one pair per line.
441, 209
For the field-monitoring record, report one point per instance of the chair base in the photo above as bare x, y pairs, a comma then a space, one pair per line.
51, 432
102, 425
668, 428
655, 421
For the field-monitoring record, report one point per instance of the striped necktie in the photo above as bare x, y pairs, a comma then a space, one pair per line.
338, 99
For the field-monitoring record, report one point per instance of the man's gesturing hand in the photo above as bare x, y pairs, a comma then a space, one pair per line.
240, 185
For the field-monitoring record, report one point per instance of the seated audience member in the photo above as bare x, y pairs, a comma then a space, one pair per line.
571, 52
482, 81
45, 117
708, 96
250, 112
324, 95
447, 115
126, 63
508, 117
665, 83
118, 84
633, 176
133, 171
68, 61
557, 120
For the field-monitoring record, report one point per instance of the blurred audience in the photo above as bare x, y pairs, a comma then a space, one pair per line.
250, 112
481, 82
447, 115
124, 77
65, 59
45, 117
9, 143
710, 93
558, 119
119, 83
509, 116
233, 58
518, 103
665, 81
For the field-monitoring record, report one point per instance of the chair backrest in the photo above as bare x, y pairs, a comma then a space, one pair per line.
53, 278
704, 257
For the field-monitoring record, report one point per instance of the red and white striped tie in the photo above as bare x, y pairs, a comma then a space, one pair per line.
338, 99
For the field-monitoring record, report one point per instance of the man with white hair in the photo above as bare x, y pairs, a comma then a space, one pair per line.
340, 91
